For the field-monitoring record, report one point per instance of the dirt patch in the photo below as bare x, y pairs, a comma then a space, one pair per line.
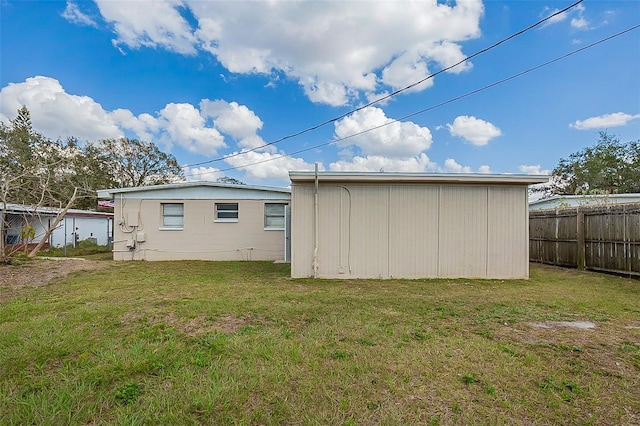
581, 325
39, 272
599, 345
191, 327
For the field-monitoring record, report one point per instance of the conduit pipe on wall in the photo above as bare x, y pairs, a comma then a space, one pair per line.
315, 227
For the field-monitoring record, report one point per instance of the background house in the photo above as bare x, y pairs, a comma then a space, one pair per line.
567, 201
199, 220
77, 225
409, 225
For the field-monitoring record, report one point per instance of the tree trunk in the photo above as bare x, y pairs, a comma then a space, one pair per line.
53, 226
3, 216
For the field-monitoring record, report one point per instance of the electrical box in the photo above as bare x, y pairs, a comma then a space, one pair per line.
131, 243
132, 219
140, 236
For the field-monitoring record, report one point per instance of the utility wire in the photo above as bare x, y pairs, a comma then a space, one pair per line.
412, 85
422, 111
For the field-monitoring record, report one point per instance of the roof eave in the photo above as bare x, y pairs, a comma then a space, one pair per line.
110, 193
419, 177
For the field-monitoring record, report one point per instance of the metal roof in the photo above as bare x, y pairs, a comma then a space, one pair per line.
570, 201
51, 211
395, 177
109, 193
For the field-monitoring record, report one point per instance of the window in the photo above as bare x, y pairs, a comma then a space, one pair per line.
226, 212
274, 216
172, 215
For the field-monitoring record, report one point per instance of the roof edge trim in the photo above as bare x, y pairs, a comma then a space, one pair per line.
418, 177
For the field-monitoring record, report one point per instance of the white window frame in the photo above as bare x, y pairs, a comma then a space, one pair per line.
268, 227
216, 212
169, 227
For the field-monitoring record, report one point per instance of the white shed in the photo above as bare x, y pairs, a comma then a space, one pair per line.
409, 225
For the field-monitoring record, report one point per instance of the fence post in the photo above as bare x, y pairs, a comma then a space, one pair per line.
556, 244
580, 239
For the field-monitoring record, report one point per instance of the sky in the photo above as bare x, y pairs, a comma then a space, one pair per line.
254, 89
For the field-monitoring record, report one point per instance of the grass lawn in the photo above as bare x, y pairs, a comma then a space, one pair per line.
242, 343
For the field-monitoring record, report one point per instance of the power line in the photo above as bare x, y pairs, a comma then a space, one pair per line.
422, 111
390, 95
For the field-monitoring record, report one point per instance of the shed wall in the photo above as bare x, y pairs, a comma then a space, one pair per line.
411, 231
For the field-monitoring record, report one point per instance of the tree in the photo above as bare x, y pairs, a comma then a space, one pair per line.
609, 167
130, 162
230, 180
36, 172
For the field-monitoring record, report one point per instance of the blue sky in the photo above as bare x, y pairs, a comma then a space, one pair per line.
206, 79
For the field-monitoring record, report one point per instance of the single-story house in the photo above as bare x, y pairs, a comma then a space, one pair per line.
199, 220
569, 201
409, 225
77, 225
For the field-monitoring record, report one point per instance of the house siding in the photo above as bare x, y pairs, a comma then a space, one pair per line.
201, 237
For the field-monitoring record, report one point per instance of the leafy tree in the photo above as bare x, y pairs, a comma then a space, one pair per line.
609, 167
227, 179
130, 162
36, 172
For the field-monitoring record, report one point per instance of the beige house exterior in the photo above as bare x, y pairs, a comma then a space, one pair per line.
409, 225
199, 221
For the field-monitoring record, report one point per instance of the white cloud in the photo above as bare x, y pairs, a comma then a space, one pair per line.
580, 23
450, 165
405, 70
269, 166
395, 140
615, 119
149, 24
484, 169
185, 126
58, 114
73, 14
533, 170
376, 163
474, 130
202, 173
236, 120
337, 51
558, 18
144, 125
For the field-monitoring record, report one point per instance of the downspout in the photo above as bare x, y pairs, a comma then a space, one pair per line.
315, 228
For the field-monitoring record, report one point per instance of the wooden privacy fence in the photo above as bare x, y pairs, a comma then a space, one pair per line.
602, 238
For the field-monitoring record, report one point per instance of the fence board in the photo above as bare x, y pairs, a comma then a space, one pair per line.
607, 238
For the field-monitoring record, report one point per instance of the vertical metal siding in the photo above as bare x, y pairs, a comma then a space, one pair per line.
329, 231
302, 222
411, 230
463, 231
413, 233
370, 231
507, 255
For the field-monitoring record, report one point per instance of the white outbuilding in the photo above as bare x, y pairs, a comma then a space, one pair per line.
409, 225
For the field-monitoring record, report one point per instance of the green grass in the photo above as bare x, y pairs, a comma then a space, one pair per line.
242, 343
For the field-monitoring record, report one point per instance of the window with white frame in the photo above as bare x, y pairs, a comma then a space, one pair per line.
172, 215
226, 212
274, 215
